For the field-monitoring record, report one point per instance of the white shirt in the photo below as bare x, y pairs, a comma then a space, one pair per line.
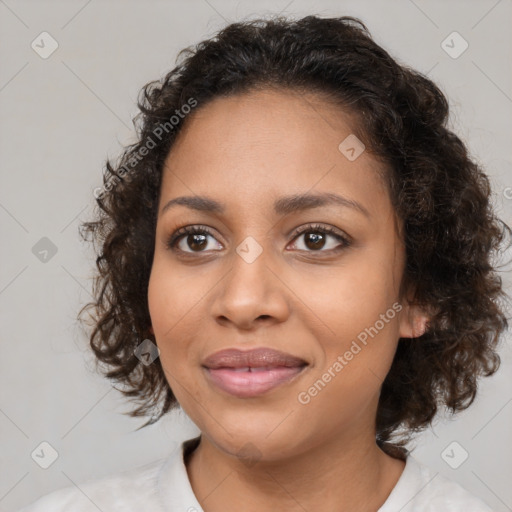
163, 486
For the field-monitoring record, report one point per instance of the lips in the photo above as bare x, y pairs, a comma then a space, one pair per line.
247, 374
261, 358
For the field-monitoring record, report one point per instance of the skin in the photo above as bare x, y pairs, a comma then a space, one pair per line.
245, 152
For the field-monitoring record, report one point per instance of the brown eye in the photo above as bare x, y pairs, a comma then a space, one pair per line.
315, 238
195, 238
196, 242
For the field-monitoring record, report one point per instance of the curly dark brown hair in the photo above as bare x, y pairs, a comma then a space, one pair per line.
439, 192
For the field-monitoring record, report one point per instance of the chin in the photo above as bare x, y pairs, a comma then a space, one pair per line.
254, 444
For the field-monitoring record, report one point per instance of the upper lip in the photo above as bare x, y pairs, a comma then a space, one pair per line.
255, 358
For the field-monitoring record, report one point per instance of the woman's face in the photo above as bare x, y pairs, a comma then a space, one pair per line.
252, 282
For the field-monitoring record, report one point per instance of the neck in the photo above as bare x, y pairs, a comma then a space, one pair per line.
346, 473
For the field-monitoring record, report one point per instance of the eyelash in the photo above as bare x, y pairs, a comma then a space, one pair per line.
311, 228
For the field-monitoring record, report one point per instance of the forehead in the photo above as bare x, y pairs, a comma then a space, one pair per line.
266, 144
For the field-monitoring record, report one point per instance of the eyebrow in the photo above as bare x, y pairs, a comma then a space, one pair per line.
282, 206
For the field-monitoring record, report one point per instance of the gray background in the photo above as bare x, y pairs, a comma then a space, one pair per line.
61, 116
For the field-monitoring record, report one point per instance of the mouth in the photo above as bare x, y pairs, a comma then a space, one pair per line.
251, 382
251, 373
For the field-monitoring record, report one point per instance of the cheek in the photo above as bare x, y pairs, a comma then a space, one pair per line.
348, 379
165, 309
171, 299
358, 332
174, 303
350, 299
158, 302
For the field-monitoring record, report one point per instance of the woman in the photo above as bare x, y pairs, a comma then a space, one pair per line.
297, 252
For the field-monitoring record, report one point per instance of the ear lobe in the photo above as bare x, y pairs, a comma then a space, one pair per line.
413, 322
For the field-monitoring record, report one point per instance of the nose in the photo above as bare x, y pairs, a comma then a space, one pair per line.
252, 293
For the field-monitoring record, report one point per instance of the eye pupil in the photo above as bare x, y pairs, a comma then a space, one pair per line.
315, 240
191, 240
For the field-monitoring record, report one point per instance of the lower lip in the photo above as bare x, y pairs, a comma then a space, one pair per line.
246, 384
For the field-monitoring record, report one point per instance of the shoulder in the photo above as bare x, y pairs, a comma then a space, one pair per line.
422, 489
135, 489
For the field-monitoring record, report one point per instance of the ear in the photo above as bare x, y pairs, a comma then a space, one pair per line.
151, 330
413, 321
